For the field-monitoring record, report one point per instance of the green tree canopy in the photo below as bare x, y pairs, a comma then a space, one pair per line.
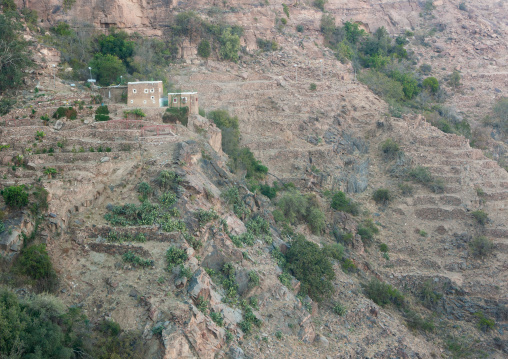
431, 84
107, 68
14, 54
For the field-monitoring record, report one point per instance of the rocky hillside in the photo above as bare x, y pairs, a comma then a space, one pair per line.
158, 234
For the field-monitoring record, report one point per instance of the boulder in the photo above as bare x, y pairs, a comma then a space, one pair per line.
58, 125
105, 159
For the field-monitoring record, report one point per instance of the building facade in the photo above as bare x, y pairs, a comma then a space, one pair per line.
184, 99
144, 94
113, 94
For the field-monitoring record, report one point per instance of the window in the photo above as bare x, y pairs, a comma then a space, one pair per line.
175, 100
146, 90
144, 101
184, 99
159, 89
152, 90
134, 91
152, 97
132, 101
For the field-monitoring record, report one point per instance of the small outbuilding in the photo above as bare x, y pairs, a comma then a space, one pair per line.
184, 99
145, 94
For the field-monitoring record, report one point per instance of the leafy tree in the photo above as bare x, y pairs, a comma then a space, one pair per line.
501, 109
14, 53
107, 68
15, 196
382, 85
341, 203
454, 80
117, 44
431, 84
204, 49
8, 5
311, 266
353, 32
229, 45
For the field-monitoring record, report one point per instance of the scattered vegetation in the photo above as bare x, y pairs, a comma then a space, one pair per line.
175, 256
137, 113
131, 257
381, 196
390, 149
297, 207
383, 293
481, 217
15, 196
240, 158
68, 112
484, 324
341, 203
35, 263
176, 115
339, 309
481, 247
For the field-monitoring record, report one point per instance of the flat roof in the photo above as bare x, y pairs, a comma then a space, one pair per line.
182, 93
143, 82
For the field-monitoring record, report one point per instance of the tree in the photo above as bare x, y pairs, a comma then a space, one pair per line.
431, 84
501, 109
7, 5
229, 45
15, 196
14, 54
454, 80
107, 68
204, 49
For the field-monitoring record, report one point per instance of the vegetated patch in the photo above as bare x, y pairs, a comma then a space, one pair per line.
367, 229
176, 115
175, 256
421, 174
15, 196
481, 217
102, 113
416, 322
311, 266
131, 257
297, 207
484, 324
35, 263
383, 293
344, 204
390, 149
382, 196
241, 158
481, 247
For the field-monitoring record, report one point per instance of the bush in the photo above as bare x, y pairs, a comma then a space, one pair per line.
35, 263
341, 203
366, 230
462, 6
484, 324
68, 112
267, 45
312, 87
406, 189
390, 149
131, 257
383, 247
381, 196
175, 256
102, 113
311, 266
417, 322
253, 279
431, 84
481, 246
335, 251
481, 217
348, 266
137, 112
320, 4
383, 293
420, 174
382, 85
299, 28
204, 49
15, 196
297, 207
176, 115
339, 309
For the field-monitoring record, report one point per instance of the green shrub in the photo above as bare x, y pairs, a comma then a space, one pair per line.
381, 196
39, 135
204, 49
145, 189
462, 6
383, 293
484, 324
312, 87
348, 266
320, 4
297, 207
131, 257
137, 112
341, 203
50, 172
335, 251
390, 149
204, 217
429, 295
15, 196
420, 174
481, 246
175, 256
102, 113
35, 263
406, 189
416, 322
339, 309
311, 266
299, 28
481, 217
285, 8
270, 192
431, 84
383, 247
68, 112
176, 115
253, 279
217, 318
366, 230
382, 85
267, 45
